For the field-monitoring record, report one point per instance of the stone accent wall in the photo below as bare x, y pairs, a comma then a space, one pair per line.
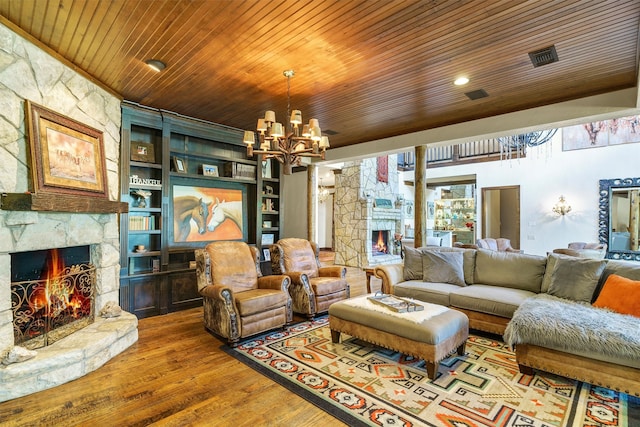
355, 216
28, 72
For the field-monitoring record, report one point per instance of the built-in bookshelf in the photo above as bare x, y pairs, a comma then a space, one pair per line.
172, 167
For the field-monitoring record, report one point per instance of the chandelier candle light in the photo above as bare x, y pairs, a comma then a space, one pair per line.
287, 148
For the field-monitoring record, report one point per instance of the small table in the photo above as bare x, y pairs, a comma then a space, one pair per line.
369, 271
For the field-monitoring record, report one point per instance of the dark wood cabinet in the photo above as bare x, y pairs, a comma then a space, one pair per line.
171, 167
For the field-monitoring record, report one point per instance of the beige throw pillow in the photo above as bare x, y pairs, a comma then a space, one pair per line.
575, 278
443, 267
412, 264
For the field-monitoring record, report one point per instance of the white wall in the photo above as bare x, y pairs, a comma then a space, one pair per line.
294, 214
544, 175
325, 223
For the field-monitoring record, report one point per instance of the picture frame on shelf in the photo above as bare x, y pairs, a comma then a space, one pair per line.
142, 152
266, 168
179, 164
67, 156
267, 254
210, 170
267, 239
266, 224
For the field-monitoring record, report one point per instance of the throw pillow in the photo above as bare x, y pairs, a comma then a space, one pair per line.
412, 264
621, 295
443, 267
575, 278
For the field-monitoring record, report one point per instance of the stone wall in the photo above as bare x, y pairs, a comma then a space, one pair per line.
28, 72
355, 216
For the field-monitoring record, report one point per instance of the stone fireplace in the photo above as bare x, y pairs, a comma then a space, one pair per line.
52, 294
359, 216
30, 73
88, 348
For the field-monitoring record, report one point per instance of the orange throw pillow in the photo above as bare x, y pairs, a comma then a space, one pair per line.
621, 295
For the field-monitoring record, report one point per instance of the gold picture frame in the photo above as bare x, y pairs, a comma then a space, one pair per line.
179, 164
67, 156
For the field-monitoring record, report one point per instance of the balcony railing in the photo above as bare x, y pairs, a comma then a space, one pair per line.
468, 152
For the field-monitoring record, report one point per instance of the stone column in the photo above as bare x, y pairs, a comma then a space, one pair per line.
420, 210
312, 203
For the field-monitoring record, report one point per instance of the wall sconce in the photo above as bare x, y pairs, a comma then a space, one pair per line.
561, 208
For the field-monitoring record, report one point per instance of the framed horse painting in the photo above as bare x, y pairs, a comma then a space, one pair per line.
206, 213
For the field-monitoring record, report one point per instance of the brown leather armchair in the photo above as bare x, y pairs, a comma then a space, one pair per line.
238, 301
499, 244
313, 288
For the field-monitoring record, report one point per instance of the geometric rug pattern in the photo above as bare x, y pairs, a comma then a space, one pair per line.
362, 384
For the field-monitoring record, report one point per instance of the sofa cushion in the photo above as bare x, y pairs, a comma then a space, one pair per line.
509, 269
412, 269
445, 267
575, 278
551, 263
628, 269
621, 295
489, 299
468, 263
433, 292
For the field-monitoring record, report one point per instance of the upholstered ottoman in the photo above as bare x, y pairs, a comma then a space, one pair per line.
431, 334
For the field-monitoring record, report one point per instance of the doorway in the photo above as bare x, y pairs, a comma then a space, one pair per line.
501, 213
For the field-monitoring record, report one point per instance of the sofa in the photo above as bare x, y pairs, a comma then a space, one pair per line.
504, 293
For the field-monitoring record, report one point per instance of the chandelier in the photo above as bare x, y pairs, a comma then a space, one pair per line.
323, 193
287, 148
522, 141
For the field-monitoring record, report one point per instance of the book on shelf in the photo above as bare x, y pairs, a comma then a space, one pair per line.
142, 223
394, 303
239, 170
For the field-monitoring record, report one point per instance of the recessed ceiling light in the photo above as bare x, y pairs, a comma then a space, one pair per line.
156, 64
461, 81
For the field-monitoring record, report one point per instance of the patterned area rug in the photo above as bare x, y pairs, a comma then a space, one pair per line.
362, 384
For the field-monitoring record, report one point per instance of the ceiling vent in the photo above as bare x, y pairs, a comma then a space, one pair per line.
329, 132
544, 56
476, 94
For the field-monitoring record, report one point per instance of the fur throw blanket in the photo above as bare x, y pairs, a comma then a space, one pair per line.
561, 324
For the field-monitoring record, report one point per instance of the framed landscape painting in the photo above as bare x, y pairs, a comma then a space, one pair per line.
207, 213
66, 156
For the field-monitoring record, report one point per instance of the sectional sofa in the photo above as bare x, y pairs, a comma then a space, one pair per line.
552, 309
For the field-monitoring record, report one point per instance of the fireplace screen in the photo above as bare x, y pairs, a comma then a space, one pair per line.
380, 242
57, 301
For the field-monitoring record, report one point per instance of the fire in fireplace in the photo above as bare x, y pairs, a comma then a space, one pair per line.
52, 294
380, 242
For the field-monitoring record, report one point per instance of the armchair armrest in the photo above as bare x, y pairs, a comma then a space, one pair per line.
298, 278
218, 292
391, 274
517, 251
333, 271
276, 282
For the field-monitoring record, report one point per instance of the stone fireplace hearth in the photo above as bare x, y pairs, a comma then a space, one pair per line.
88, 348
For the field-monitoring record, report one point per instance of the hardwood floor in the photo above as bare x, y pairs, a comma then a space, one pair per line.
175, 375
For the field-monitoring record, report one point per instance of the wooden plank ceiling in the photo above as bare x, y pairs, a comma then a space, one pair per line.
366, 69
